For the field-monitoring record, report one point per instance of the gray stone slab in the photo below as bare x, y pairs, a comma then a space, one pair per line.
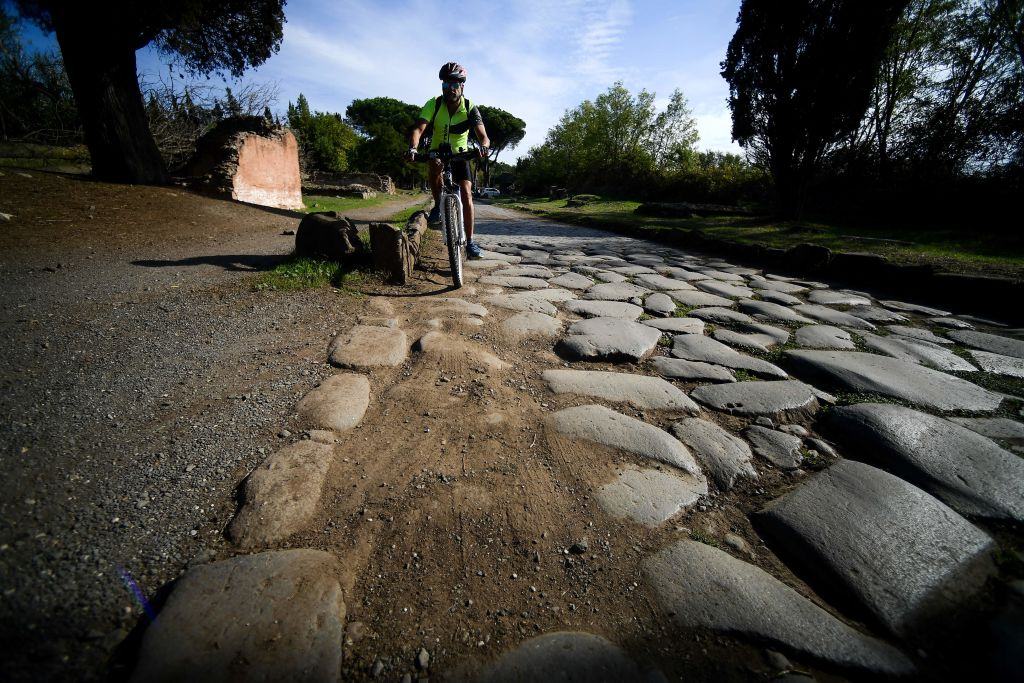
691, 371
951, 323
829, 297
725, 457
750, 342
676, 325
609, 428
871, 373
681, 273
615, 291
778, 297
777, 334
608, 276
921, 352
604, 309
339, 403
717, 273
875, 314
650, 497
364, 347
993, 343
913, 308
571, 281
776, 285
659, 303
276, 616
824, 337
899, 553
702, 587
779, 399
524, 271
963, 469
700, 348
514, 282
778, 448
523, 302
456, 306
766, 310
280, 496
553, 294
633, 270
725, 289
832, 316
688, 298
918, 333
661, 283
538, 256
529, 324
564, 657
998, 428
718, 314
609, 339
640, 391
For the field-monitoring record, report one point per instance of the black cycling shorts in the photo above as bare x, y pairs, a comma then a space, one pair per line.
460, 170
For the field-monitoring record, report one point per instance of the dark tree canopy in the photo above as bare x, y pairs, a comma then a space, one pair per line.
98, 42
800, 77
363, 115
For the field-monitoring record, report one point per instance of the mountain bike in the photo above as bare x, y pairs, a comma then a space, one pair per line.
450, 201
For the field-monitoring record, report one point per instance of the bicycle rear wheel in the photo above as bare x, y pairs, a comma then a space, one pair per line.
453, 234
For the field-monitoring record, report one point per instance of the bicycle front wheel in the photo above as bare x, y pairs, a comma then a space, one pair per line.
453, 235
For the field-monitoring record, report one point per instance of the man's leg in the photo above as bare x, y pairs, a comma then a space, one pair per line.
466, 187
435, 188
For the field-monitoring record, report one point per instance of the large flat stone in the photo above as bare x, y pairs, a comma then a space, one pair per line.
920, 352
514, 282
779, 448
766, 310
999, 364
661, 283
571, 281
688, 298
609, 339
604, 309
693, 371
963, 469
700, 348
524, 271
725, 456
640, 391
778, 297
780, 399
616, 291
659, 303
739, 340
607, 427
868, 372
274, 616
365, 346
999, 428
875, 314
720, 314
565, 657
446, 346
676, 325
703, 587
901, 555
280, 496
529, 324
828, 297
523, 303
719, 288
833, 317
456, 306
758, 282
918, 333
824, 337
650, 497
339, 403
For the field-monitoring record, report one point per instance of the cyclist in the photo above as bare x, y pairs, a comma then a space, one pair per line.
452, 116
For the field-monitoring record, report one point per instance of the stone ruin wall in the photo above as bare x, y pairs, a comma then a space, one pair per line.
379, 183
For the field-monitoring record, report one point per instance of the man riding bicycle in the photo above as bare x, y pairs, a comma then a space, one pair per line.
452, 116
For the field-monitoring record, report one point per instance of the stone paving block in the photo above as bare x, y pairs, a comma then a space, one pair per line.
778, 297
871, 373
920, 352
901, 555
634, 270
718, 314
571, 281
552, 294
702, 587
513, 282
650, 497
281, 495
724, 289
339, 403
523, 302
274, 616
566, 657
615, 291
766, 310
458, 306
999, 364
828, 297
676, 325
605, 426
951, 323
700, 348
824, 337
750, 342
918, 333
529, 324
875, 314
832, 316
778, 399
662, 283
725, 456
659, 304
998, 428
778, 448
608, 276
365, 347
524, 271
604, 309
688, 298
640, 391
442, 345
609, 339
963, 469
779, 335
782, 286
692, 371
912, 308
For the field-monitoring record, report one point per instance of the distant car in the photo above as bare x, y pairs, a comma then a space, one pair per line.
490, 192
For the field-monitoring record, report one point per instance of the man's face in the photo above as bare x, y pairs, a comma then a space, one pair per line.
452, 90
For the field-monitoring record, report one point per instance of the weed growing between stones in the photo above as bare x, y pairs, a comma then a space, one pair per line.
665, 341
300, 272
813, 460
683, 311
746, 376
702, 537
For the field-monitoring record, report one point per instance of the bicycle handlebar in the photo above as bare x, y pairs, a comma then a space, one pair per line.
445, 156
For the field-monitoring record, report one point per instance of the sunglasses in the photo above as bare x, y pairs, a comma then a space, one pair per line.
451, 85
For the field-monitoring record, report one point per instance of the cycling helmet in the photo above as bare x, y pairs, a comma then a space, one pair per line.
452, 71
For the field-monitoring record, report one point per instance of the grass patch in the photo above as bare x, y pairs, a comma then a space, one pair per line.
318, 203
300, 272
704, 538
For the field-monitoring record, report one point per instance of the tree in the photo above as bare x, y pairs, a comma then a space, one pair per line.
326, 142
800, 76
98, 42
505, 132
384, 124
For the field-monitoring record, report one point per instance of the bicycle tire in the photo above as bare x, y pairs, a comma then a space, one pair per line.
452, 236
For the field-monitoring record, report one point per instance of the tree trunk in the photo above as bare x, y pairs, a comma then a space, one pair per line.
102, 72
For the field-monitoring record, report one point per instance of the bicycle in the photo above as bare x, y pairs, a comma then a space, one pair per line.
450, 201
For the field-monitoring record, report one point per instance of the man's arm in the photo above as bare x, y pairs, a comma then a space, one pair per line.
482, 139
415, 135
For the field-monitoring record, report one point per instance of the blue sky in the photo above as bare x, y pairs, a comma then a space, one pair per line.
533, 58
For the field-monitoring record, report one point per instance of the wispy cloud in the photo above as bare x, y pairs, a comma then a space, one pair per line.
602, 29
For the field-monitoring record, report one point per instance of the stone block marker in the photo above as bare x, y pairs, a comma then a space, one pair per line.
327, 235
396, 250
640, 391
339, 403
366, 346
276, 616
867, 372
650, 497
965, 470
703, 587
725, 456
901, 555
609, 428
565, 657
281, 495
779, 399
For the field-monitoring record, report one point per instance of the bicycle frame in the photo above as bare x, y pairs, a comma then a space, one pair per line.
451, 209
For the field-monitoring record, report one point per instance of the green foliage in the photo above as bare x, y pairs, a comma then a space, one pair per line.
383, 124
325, 141
504, 131
704, 538
299, 272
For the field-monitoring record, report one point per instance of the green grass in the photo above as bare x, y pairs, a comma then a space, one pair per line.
300, 272
704, 538
318, 203
975, 252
